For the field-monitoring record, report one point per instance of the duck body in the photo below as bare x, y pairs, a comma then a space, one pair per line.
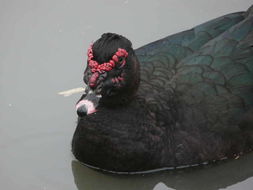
193, 103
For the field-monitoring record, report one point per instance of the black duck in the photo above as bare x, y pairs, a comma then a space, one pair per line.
180, 101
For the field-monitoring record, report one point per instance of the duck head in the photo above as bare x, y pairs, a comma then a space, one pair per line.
112, 74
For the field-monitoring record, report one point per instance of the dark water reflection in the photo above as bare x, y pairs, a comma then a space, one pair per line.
210, 177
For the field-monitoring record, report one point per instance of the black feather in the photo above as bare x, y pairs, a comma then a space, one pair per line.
187, 100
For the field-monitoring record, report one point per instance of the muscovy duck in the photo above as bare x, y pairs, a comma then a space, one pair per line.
180, 101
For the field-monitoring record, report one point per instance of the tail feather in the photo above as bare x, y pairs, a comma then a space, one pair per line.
249, 12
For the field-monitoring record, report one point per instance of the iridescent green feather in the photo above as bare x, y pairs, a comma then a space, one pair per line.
208, 70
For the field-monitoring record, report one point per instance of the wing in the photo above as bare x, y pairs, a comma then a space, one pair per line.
201, 83
214, 88
159, 59
190, 40
218, 79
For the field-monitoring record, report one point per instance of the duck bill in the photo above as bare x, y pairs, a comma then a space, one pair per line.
88, 103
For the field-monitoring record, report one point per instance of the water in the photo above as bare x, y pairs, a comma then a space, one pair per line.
42, 52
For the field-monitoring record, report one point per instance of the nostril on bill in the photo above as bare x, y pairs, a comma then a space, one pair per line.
81, 111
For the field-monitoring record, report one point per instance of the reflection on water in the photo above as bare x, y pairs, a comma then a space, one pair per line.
210, 177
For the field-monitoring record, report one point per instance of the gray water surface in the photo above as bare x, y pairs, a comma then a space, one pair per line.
43, 51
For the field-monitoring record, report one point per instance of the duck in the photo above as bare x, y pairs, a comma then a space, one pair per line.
181, 101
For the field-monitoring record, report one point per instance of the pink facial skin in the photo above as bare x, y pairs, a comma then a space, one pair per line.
88, 105
93, 79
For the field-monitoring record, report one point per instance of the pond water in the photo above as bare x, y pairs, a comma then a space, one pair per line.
43, 51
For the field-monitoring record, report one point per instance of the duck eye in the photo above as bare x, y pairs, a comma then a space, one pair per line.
99, 88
